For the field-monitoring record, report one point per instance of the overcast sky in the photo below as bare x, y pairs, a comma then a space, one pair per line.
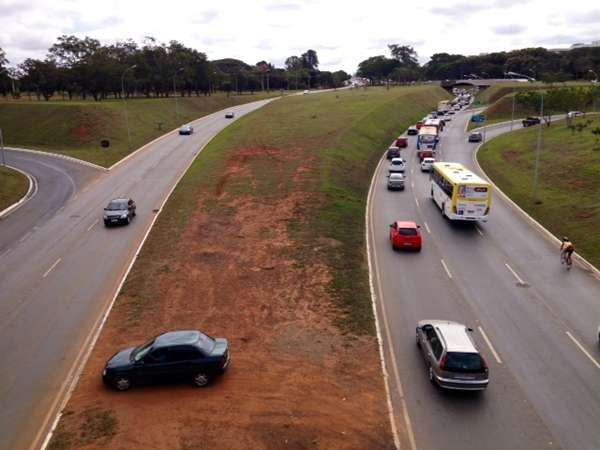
342, 32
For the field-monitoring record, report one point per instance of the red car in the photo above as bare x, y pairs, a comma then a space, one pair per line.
404, 234
402, 142
419, 124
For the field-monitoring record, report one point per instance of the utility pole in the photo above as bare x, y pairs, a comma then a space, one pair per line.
537, 155
125, 100
2, 148
512, 115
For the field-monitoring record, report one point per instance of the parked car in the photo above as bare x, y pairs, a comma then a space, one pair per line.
412, 131
393, 152
531, 121
401, 141
395, 181
174, 356
453, 361
572, 114
397, 165
186, 129
427, 164
119, 210
475, 136
405, 235
229, 115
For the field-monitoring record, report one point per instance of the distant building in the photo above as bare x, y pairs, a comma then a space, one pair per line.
575, 46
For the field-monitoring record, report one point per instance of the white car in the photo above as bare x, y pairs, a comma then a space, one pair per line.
397, 166
427, 164
575, 114
306, 92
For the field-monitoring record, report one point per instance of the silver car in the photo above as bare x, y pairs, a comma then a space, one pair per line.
395, 181
397, 165
452, 359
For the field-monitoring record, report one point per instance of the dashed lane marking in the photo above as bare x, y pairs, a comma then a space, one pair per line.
51, 267
446, 269
582, 348
489, 344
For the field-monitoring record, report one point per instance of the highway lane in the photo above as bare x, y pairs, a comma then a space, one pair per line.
57, 180
543, 390
56, 284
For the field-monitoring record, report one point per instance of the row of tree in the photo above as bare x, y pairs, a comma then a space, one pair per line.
85, 67
559, 100
539, 63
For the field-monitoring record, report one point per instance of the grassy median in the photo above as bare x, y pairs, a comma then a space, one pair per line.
13, 186
75, 128
567, 201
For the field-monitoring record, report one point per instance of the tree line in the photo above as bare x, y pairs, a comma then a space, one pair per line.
538, 63
86, 68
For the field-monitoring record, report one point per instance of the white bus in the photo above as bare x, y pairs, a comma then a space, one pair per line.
460, 194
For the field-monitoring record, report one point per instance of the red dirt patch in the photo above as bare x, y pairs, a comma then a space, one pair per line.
295, 380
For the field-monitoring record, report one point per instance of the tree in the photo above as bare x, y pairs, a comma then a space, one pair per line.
339, 77
40, 77
377, 68
293, 63
404, 54
310, 60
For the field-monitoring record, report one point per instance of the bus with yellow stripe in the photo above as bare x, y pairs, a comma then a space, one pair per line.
459, 193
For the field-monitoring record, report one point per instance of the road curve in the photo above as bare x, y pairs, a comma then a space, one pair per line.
60, 280
503, 279
56, 179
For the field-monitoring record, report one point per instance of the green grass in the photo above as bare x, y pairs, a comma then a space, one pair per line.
569, 171
76, 128
339, 138
13, 186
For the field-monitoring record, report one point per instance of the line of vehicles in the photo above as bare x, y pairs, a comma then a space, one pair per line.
451, 356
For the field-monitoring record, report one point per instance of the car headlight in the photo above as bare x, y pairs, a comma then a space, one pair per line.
104, 373
105, 217
124, 216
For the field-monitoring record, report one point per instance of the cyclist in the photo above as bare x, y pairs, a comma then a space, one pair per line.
566, 250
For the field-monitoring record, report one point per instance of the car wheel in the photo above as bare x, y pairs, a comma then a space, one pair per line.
122, 383
201, 379
106, 224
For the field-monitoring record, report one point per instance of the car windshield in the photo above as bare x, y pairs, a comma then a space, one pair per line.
117, 205
407, 231
397, 162
463, 362
141, 351
206, 343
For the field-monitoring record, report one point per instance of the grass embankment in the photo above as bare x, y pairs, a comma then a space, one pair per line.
76, 128
13, 186
569, 171
271, 255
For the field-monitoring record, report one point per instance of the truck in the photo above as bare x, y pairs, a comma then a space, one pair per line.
428, 137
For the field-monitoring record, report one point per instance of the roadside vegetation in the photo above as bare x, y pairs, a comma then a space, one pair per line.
271, 255
75, 128
13, 186
567, 199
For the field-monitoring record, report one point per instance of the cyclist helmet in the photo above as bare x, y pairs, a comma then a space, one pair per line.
565, 239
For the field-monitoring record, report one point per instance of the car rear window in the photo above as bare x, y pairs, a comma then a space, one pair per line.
397, 163
407, 231
464, 362
205, 343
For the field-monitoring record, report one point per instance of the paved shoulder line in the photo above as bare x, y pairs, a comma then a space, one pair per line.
28, 195
58, 155
578, 258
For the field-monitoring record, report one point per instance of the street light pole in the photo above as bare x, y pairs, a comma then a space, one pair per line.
537, 155
512, 115
125, 100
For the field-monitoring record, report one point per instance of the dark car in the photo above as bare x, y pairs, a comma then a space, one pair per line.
476, 136
229, 115
174, 356
393, 152
412, 131
531, 121
186, 129
119, 210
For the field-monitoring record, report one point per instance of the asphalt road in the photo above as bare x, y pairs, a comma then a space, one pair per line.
56, 284
504, 279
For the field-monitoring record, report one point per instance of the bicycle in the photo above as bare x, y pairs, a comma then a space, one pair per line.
565, 258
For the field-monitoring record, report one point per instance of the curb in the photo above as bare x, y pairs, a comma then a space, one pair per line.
586, 265
58, 155
28, 195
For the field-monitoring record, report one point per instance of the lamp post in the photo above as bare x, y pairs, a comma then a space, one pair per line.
179, 70
125, 100
512, 114
537, 154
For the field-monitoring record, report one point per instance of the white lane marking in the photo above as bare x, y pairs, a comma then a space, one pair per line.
26, 236
479, 230
51, 267
489, 343
417, 201
427, 227
514, 273
92, 225
582, 348
6, 252
374, 274
412, 184
446, 269
411, 171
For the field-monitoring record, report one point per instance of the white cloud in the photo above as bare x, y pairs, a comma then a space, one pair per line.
342, 32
